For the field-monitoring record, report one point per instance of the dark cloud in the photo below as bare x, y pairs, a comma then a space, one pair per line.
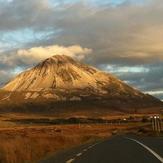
148, 81
5, 76
121, 37
19, 14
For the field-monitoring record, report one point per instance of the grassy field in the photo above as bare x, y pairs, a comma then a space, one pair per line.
23, 143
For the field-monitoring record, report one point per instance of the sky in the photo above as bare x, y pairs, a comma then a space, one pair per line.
123, 37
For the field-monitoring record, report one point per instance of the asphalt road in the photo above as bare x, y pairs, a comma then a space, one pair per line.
118, 149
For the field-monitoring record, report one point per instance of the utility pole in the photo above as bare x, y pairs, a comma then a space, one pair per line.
156, 124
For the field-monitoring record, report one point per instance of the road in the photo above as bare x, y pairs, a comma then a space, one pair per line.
118, 149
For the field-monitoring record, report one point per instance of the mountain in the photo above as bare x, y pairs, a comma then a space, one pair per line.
61, 84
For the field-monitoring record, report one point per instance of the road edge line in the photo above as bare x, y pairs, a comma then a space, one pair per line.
147, 148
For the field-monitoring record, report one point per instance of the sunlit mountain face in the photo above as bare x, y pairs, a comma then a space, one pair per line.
60, 84
123, 37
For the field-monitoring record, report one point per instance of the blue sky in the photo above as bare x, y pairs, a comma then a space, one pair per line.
123, 37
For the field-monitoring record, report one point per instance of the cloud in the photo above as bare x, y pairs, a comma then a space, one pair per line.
36, 54
125, 34
5, 76
129, 33
18, 14
147, 78
28, 57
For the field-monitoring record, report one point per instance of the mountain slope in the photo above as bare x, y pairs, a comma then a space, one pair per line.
62, 72
61, 82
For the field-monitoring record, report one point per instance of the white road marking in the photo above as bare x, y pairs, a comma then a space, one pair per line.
71, 160
84, 150
91, 146
79, 154
148, 149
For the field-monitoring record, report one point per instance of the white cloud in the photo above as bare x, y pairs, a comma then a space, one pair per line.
28, 57
37, 54
154, 92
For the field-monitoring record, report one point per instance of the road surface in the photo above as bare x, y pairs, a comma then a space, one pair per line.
118, 149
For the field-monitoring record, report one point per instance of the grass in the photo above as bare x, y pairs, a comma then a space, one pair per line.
28, 143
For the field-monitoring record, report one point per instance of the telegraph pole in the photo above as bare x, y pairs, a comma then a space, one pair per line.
156, 124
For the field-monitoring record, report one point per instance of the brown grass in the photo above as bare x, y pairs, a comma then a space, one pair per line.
31, 143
